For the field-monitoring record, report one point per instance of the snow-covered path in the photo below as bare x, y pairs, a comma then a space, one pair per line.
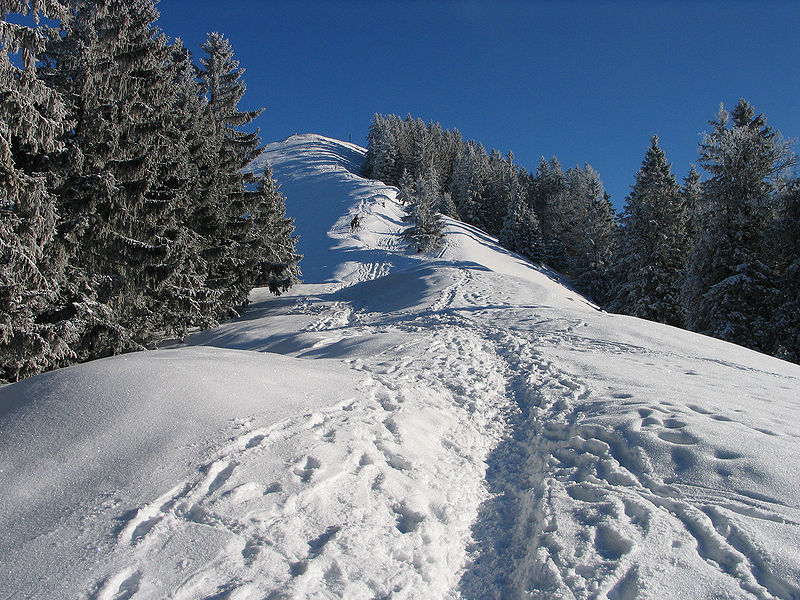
401, 426
372, 497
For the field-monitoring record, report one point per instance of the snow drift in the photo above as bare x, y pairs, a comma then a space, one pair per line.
460, 425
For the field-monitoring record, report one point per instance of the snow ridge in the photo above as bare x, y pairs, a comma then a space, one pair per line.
406, 426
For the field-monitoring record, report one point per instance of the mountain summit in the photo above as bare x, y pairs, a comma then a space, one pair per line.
405, 425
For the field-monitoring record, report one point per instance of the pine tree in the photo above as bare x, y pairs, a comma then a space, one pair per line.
649, 264
447, 151
591, 242
470, 173
382, 149
119, 200
185, 302
521, 232
497, 192
225, 219
35, 334
422, 152
691, 192
550, 199
411, 137
407, 183
784, 247
271, 260
729, 291
426, 232
446, 206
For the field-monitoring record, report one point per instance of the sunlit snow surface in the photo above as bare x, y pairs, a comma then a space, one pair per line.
459, 425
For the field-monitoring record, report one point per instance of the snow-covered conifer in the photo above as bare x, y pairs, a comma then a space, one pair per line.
119, 199
521, 232
549, 200
729, 291
226, 221
470, 171
651, 254
186, 301
36, 332
591, 240
498, 192
691, 192
426, 232
382, 149
446, 206
784, 246
407, 183
271, 259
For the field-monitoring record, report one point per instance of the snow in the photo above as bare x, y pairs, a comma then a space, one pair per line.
455, 425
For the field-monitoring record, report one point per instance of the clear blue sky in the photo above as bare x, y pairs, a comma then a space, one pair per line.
584, 81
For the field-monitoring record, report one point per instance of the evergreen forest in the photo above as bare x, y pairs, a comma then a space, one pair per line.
125, 216
719, 256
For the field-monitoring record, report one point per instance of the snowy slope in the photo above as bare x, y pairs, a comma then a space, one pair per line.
403, 426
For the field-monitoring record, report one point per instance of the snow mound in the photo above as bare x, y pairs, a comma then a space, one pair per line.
456, 425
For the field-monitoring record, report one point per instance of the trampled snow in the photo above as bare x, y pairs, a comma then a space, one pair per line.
456, 425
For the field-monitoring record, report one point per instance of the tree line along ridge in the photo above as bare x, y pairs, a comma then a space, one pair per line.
126, 217
719, 256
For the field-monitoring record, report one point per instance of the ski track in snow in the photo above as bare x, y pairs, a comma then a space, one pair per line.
484, 453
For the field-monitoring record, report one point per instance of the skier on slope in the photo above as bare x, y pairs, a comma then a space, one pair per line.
355, 223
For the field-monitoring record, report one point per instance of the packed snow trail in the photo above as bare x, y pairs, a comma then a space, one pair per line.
403, 426
370, 498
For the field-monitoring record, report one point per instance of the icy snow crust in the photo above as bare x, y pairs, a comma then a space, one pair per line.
459, 425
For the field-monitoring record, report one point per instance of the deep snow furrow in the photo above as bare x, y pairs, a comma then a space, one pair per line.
572, 503
569, 522
517, 548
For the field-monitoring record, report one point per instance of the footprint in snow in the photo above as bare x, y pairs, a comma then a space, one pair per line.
220, 471
767, 432
255, 441
307, 472
273, 488
316, 545
610, 543
121, 586
391, 426
684, 458
724, 454
298, 568
387, 404
407, 520
143, 528
648, 418
138, 523
677, 437
244, 492
585, 492
396, 461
